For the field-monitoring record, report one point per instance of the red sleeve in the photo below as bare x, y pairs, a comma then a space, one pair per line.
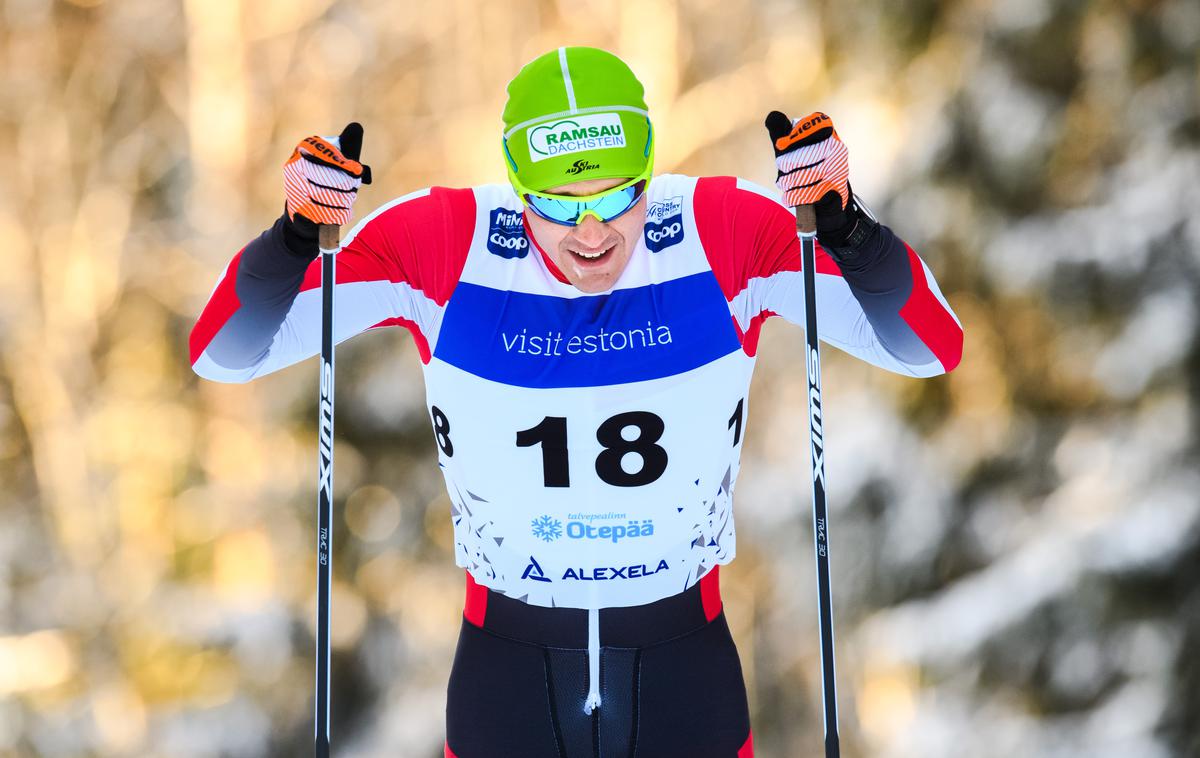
409, 254
423, 242
885, 309
747, 236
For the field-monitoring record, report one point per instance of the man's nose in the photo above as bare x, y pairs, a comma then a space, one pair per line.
591, 232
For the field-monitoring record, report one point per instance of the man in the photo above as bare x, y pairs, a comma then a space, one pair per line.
588, 335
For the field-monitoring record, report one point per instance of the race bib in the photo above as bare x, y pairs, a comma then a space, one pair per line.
590, 446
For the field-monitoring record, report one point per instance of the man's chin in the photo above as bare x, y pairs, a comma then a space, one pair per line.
593, 284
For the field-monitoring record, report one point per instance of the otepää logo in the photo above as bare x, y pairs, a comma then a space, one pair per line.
548, 529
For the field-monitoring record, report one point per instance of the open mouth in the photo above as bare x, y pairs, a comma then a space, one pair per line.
592, 259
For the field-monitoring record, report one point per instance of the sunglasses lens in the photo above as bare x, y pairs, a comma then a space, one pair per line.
565, 211
611, 206
561, 211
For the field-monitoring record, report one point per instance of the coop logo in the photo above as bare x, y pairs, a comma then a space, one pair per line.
534, 571
596, 131
664, 224
506, 234
549, 529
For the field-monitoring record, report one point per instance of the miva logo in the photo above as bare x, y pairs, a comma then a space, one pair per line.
506, 234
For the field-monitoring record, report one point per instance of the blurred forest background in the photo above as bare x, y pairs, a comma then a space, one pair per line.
1015, 546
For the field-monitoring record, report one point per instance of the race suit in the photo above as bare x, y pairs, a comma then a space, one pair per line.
590, 442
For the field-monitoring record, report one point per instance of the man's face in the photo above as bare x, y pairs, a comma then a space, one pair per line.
593, 254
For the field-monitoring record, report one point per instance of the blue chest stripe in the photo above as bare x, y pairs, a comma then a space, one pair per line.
628, 335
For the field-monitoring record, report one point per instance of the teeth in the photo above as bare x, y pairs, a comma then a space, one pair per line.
590, 255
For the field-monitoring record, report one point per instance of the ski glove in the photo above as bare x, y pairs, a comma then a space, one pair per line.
813, 169
322, 178
811, 160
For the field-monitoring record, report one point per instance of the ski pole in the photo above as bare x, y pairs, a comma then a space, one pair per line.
328, 240
806, 225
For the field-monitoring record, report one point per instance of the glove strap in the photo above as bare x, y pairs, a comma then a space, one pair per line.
844, 247
300, 236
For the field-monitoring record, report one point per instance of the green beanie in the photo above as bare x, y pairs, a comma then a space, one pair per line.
575, 113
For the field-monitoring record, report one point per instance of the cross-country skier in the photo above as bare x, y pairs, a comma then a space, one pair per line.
587, 333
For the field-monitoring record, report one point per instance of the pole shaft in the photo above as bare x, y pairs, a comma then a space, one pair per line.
329, 244
805, 222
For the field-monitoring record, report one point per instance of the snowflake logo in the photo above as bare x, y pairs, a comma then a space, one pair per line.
546, 528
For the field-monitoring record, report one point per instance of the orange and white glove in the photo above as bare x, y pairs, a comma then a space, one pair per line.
323, 175
813, 169
810, 158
